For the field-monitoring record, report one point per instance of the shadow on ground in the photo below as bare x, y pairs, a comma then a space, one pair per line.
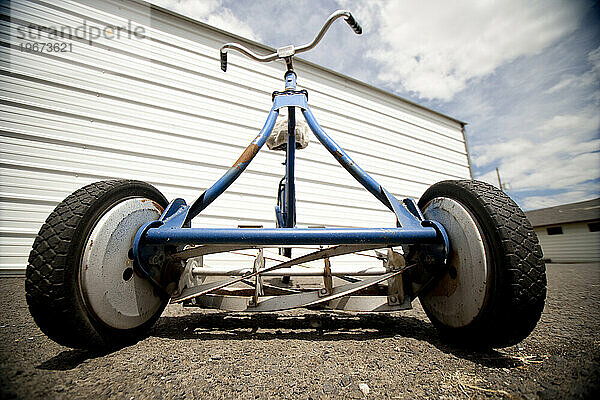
70, 359
320, 327
310, 327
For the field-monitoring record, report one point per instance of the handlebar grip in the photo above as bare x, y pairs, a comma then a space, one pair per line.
354, 24
224, 61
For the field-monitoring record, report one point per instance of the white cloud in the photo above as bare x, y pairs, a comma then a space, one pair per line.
211, 12
488, 153
585, 123
563, 153
434, 48
536, 202
543, 141
588, 80
555, 173
228, 22
533, 163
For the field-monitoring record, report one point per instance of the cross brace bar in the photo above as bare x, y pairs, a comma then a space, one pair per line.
294, 271
293, 236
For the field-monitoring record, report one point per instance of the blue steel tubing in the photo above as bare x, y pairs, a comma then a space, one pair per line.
340, 155
290, 161
290, 80
292, 236
235, 171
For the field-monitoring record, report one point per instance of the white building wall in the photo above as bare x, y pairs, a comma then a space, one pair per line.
159, 109
575, 244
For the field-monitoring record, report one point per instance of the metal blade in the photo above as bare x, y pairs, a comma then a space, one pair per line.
189, 293
366, 304
286, 302
272, 289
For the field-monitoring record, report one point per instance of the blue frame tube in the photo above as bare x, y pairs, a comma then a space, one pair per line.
292, 236
289, 208
236, 169
289, 205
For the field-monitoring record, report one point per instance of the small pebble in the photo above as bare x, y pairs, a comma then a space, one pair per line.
327, 388
364, 388
346, 380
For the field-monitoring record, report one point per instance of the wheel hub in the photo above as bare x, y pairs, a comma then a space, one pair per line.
460, 295
114, 293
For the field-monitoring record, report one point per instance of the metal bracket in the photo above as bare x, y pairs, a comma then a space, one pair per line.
432, 260
394, 262
412, 206
188, 279
153, 262
442, 248
279, 218
404, 217
286, 51
175, 213
327, 279
285, 99
140, 264
259, 264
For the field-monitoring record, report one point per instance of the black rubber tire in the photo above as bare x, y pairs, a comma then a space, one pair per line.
52, 277
516, 290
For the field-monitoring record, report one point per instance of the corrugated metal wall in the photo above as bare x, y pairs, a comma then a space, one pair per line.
159, 109
576, 244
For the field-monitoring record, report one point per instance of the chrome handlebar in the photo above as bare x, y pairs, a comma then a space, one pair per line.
287, 52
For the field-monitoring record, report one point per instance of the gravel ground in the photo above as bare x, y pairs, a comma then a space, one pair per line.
305, 355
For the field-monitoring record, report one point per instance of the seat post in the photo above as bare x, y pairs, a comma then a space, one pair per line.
290, 160
289, 206
290, 157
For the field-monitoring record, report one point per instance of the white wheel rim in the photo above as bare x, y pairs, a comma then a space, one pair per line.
456, 302
117, 296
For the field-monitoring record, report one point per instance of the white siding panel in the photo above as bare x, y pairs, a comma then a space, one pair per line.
575, 244
159, 109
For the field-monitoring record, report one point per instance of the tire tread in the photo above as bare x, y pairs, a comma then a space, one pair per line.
521, 292
48, 290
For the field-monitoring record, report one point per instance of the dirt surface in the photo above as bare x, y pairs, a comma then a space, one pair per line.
193, 354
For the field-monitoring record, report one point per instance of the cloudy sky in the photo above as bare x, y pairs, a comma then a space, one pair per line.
525, 75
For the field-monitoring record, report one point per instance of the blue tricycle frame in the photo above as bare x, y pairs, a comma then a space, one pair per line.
113, 254
171, 227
